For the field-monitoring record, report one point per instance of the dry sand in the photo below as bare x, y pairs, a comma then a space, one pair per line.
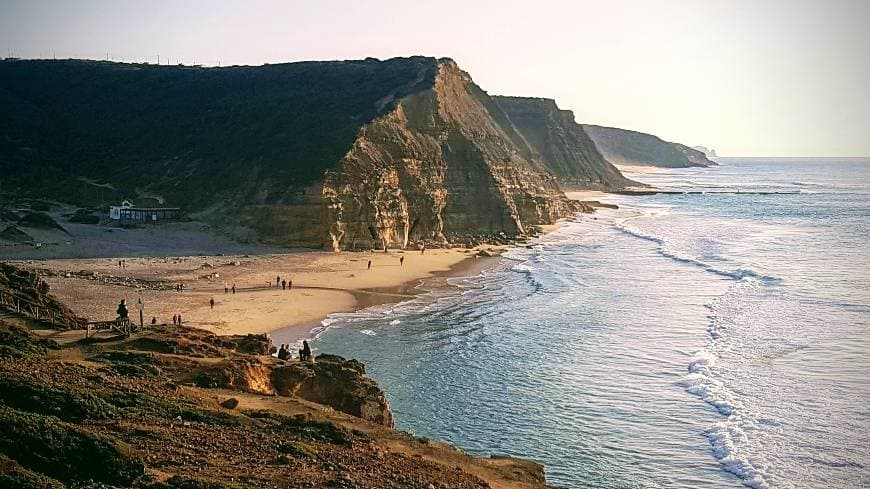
323, 283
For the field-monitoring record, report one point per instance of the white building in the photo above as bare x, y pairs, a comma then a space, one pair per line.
115, 210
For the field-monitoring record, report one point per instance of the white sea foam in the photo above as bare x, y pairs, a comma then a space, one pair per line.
725, 438
395, 322
368, 332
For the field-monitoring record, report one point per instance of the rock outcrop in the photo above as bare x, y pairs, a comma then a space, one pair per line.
440, 164
174, 407
567, 152
333, 381
624, 147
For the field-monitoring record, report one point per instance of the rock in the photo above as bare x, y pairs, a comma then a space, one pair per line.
484, 253
230, 403
333, 381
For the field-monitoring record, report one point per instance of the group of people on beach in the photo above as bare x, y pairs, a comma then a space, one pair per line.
227, 288
122, 263
304, 353
284, 284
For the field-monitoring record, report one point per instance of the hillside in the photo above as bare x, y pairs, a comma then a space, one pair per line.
561, 143
173, 407
323, 154
624, 147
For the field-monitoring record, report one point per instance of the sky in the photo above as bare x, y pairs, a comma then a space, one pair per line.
747, 78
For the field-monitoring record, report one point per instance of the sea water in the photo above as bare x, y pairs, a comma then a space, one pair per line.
711, 339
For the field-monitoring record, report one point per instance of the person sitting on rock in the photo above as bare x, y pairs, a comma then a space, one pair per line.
305, 352
122, 309
283, 352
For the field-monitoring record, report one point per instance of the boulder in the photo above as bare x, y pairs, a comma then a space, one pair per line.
230, 403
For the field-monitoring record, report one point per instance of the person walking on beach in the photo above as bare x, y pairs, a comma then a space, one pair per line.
119, 263
423, 249
305, 352
179, 319
234, 288
278, 281
211, 302
283, 285
290, 285
401, 261
370, 265
226, 288
122, 309
175, 319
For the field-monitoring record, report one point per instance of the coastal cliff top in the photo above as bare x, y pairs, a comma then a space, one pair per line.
173, 407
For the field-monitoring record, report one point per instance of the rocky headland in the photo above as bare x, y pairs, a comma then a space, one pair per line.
180, 407
632, 148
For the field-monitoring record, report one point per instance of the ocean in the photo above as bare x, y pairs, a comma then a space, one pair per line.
711, 339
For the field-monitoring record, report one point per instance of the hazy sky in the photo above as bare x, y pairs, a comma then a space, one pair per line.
758, 77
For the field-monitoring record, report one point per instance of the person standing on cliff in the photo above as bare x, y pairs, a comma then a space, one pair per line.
305, 352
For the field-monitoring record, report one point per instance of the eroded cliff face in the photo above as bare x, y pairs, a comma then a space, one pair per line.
439, 167
563, 145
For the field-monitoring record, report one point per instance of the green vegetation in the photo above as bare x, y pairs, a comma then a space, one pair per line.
89, 132
63, 451
14, 476
16, 342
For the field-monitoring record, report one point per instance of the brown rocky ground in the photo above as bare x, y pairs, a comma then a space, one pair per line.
154, 411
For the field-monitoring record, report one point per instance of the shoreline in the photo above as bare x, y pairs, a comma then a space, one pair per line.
395, 294
323, 283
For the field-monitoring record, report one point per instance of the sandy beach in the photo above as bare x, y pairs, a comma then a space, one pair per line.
322, 283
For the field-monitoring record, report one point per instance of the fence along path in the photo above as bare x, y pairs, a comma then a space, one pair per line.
23, 306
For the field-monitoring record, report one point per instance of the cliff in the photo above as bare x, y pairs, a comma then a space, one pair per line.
624, 147
173, 407
555, 138
319, 154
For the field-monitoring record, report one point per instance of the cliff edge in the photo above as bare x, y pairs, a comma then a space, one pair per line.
176, 407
